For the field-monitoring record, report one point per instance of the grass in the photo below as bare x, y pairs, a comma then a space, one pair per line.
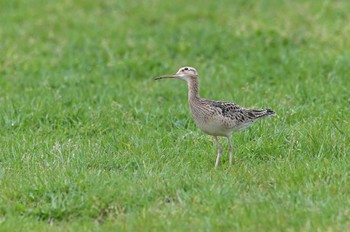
90, 142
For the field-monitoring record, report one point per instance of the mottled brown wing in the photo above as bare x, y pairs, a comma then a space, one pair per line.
236, 112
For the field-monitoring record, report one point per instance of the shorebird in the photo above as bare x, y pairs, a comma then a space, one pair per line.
216, 118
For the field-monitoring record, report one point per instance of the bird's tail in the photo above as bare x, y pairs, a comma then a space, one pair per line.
269, 112
262, 113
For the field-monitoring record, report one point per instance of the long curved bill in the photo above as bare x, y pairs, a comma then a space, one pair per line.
168, 76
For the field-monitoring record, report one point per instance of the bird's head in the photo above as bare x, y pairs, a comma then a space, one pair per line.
184, 73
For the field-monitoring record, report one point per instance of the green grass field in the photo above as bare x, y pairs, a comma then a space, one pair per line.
88, 141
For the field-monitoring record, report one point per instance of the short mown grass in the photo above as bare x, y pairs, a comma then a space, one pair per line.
88, 141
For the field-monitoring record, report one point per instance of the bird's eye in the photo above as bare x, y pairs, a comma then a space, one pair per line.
186, 69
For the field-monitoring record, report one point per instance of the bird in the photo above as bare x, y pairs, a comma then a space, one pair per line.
216, 118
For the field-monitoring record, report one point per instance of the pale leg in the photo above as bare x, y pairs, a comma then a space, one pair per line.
219, 151
230, 148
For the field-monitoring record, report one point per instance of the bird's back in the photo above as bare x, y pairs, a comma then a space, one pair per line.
223, 118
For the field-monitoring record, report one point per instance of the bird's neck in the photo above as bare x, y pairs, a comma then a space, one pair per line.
193, 89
